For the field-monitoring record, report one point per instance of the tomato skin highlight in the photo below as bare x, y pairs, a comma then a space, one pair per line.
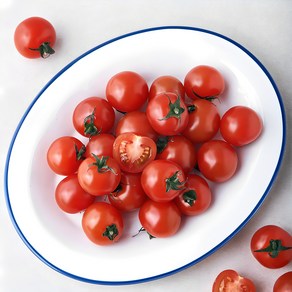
62, 156
283, 283
70, 196
204, 82
204, 121
199, 200
160, 219
97, 218
267, 236
231, 281
34, 37
240, 125
167, 114
162, 180
217, 160
127, 91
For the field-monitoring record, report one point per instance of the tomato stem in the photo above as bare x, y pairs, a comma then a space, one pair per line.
80, 152
173, 183
101, 164
89, 126
190, 197
274, 248
45, 50
111, 232
142, 229
175, 109
210, 98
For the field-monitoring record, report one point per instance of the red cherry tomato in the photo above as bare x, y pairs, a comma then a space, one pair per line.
240, 125
167, 83
99, 175
196, 197
127, 91
102, 223
92, 116
272, 246
132, 152
179, 150
135, 122
283, 283
101, 145
204, 82
65, 155
35, 37
167, 114
160, 219
217, 160
70, 196
162, 180
129, 195
231, 281
204, 121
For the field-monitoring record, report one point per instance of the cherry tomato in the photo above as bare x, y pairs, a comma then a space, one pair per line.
167, 114
204, 121
167, 83
217, 160
160, 219
272, 246
127, 91
283, 283
129, 195
92, 116
240, 125
204, 82
196, 197
35, 37
133, 152
102, 223
99, 175
136, 122
70, 196
231, 281
65, 155
101, 145
179, 150
162, 180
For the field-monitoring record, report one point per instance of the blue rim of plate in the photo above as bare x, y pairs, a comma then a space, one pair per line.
222, 243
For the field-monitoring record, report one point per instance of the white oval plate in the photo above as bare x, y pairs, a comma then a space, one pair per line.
57, 238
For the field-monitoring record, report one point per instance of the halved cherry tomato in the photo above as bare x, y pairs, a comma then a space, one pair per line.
135, 122
240, 125
35, 37
65, 155
92, 116
102, 223
217, 160
132, 152
162, 180
99, 175
160, 219
127, 91
196, 197
101, 145
167, 114
179, 150
271, 245
204, 82
129, 195
167, 83
70, 196
283, 283
204, 121
231, 281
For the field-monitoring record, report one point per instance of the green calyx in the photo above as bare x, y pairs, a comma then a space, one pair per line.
190, 197
210, 98
274, 248
45, 50
111, 232
173, 183
101, 164
89, 126
79, 152
175, 109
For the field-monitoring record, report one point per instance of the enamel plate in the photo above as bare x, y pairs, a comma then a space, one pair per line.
57, 238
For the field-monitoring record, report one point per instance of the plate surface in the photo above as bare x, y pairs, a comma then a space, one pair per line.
57, 238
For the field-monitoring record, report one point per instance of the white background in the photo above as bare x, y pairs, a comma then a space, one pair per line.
262, 26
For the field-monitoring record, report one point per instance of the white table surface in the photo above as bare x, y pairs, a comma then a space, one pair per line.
262, 26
